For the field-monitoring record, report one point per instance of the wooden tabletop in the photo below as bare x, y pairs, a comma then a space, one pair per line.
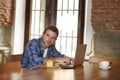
89, 71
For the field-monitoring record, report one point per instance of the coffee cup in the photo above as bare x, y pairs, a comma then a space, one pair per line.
104, 64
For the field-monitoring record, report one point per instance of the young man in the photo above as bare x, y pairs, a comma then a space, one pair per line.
39, 51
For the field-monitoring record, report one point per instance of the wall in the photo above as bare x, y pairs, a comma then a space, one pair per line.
106, 27
5, 36
12, 18
6, 12
17, 38
88, 28
6, 22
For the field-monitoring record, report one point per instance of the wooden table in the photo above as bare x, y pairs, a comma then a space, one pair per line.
89, 71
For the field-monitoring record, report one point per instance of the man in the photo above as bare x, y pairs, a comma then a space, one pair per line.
39, 51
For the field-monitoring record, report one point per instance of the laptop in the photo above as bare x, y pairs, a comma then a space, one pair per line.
79, 57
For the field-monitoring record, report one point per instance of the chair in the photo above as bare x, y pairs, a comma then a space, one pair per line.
12, 63
2, 53
13, 58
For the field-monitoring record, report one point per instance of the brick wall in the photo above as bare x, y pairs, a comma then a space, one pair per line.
6, 12
6, 20
106, 27
106, 14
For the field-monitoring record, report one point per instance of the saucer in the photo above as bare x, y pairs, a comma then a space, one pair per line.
105, 68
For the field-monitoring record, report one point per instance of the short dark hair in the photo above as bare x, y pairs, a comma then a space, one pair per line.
52, 28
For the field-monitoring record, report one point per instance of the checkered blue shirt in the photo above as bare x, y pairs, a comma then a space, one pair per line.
33, 53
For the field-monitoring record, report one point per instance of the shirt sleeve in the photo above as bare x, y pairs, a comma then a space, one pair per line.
32, 55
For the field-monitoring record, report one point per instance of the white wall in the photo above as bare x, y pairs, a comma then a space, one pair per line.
88, 28
18, 28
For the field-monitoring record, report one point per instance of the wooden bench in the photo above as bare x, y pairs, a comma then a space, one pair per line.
11, 66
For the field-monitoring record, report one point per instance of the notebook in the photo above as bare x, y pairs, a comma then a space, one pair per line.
79, 57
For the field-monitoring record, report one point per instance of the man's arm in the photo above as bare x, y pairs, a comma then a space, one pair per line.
65, 59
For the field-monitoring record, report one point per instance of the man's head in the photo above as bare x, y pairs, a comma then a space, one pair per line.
49, 36
52, 28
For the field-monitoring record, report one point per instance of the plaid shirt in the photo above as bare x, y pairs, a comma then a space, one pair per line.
33, 53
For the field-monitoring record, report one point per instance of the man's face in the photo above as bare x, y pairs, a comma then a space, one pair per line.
48, 38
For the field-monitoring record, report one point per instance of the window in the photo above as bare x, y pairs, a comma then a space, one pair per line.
67, 23
37, 18
66, 19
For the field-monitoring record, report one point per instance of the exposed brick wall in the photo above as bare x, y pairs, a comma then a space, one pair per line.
106, 14
6, 12
106, 27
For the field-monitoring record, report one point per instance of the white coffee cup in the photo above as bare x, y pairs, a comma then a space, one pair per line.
104, 64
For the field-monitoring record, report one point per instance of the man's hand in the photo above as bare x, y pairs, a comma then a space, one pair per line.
65, 59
